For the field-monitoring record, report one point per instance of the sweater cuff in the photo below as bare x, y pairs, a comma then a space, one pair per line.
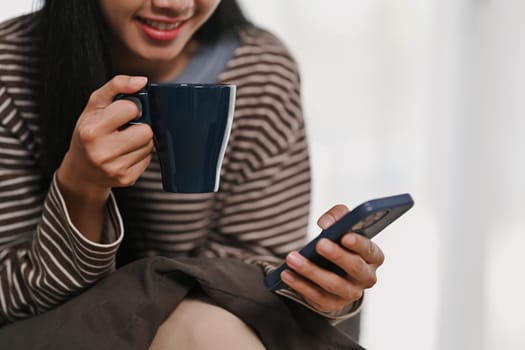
98, 256
334, 317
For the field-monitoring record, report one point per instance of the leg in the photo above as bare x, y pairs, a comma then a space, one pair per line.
198, 324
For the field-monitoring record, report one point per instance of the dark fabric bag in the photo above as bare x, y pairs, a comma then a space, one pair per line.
124, 310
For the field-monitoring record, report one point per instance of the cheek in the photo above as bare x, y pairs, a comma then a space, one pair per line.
206, 7
118, 13
122, 29
118, 27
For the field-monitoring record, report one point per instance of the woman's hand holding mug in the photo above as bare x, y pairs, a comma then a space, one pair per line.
102, 154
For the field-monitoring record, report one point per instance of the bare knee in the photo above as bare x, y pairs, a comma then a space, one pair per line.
197, 324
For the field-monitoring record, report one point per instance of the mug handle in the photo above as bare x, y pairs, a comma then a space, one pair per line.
142, 101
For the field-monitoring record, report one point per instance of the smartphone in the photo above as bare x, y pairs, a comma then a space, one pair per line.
367, 219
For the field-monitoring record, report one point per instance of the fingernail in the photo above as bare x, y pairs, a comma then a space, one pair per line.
350, 240
326, 221
325, 246
287, 276
138, 81
295, 259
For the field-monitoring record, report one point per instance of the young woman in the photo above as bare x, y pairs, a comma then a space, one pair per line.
79, 191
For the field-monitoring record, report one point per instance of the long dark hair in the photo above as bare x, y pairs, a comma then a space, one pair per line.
75, 61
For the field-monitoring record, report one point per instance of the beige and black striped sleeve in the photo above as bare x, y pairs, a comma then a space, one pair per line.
44, 260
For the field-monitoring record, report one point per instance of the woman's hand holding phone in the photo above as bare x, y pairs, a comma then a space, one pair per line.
328, 291
332, 270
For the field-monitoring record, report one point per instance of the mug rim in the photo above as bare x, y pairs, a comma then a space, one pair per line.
192, 85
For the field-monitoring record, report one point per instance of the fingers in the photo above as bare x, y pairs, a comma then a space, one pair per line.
329, 281
357, 269
314, 295
128, 159
360, 267
100, 153
117, 114
106, 121
138, 161
323, 289
109, 114
332, 215
124, 170
102, 148
129, 139
120, 84
368, 250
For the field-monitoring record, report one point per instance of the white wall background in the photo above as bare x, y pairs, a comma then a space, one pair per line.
419, 96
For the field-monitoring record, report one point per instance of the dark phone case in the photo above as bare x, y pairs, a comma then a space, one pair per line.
367, 219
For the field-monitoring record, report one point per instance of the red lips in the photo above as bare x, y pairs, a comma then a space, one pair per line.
158, 30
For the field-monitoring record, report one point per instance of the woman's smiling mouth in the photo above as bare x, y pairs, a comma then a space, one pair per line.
160, 30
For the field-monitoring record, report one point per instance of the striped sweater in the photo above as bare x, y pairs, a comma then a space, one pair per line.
259, 214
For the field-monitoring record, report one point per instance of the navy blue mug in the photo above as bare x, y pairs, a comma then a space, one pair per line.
191, 125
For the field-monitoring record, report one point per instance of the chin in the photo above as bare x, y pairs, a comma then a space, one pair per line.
160, 59
160, 54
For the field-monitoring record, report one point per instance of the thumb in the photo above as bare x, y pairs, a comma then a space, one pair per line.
120, 84
332, 215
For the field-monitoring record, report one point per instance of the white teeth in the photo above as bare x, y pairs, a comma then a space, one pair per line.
161, 25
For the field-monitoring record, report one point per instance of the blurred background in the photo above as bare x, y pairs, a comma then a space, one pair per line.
426, 97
